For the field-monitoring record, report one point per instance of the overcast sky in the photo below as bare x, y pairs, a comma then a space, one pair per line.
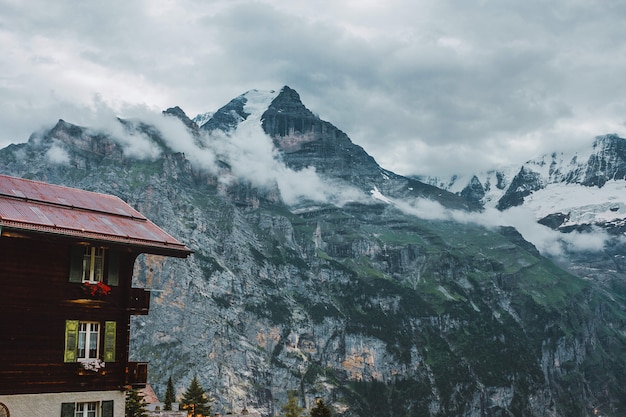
424, 86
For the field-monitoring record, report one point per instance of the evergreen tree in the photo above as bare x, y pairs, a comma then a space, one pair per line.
320, 410
291, 408
195, 398
169, 395
135, 404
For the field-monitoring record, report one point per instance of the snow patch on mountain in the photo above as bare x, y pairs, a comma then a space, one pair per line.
257, 101
584, 187
493, 183
377, 195
202, 118
583, 205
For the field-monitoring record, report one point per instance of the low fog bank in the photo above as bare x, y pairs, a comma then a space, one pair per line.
248, 151
252, 157
549, 242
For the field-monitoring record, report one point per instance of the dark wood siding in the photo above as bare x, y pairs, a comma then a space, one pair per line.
37, 299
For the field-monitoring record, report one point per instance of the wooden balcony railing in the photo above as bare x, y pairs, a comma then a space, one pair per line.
137, 374
139, 301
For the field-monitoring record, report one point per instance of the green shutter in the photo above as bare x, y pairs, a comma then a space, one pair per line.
107, 408
71, 341
76, 264
109, 341
67, 409
114, 268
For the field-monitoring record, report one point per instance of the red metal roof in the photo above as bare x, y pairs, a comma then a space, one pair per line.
41, 207
149, 395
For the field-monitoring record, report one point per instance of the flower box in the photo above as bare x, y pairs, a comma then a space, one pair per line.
91, 366
96, 289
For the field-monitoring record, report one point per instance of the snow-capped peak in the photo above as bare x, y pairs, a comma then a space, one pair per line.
257, 101
564, 189
202, 118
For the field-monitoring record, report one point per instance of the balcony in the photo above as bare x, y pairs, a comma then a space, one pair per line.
139, 302
137, 374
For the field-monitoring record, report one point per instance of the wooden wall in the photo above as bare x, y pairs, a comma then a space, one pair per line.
36, 300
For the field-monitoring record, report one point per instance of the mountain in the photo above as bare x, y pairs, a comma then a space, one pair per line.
317, 270
567, 192
579, 194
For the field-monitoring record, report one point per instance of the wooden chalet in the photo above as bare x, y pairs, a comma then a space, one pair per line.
66, 265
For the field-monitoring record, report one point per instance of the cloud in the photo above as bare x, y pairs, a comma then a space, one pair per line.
57, 155
473, 85
101, 118
549, 242
428, 87
252, 156
592, 241
306, 184
248, 151
178, 138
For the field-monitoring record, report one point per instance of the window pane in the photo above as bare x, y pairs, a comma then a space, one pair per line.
98, 265
93, 350
91, 409
82, 339
86, 263
93, 340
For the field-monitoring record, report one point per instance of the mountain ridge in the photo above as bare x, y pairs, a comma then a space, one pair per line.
596, 175
357, 300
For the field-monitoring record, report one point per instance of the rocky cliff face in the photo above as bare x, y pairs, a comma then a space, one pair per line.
376, 309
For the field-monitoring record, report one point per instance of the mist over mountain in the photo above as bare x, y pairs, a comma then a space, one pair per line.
581, 196
317, 270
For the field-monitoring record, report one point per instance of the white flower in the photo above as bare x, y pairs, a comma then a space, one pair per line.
92, 364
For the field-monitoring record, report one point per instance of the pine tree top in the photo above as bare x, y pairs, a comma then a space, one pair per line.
135, 404
170, 397
195, 398
320, 409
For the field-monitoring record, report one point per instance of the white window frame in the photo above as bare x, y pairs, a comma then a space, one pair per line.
87, 409
93, 264
87, 332
102, 408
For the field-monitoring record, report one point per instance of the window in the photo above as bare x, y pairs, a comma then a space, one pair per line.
87, 264
83, 341
93, 264
87, 409
88, 340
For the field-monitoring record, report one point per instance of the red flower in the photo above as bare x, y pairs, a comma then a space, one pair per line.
96, 290
102, 288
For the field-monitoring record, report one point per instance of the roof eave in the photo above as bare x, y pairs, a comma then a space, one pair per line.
177, 250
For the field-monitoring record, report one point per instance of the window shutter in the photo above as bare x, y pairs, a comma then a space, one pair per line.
107, 408
67, 409
109, 341
114, 268
71, 341
76, 264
